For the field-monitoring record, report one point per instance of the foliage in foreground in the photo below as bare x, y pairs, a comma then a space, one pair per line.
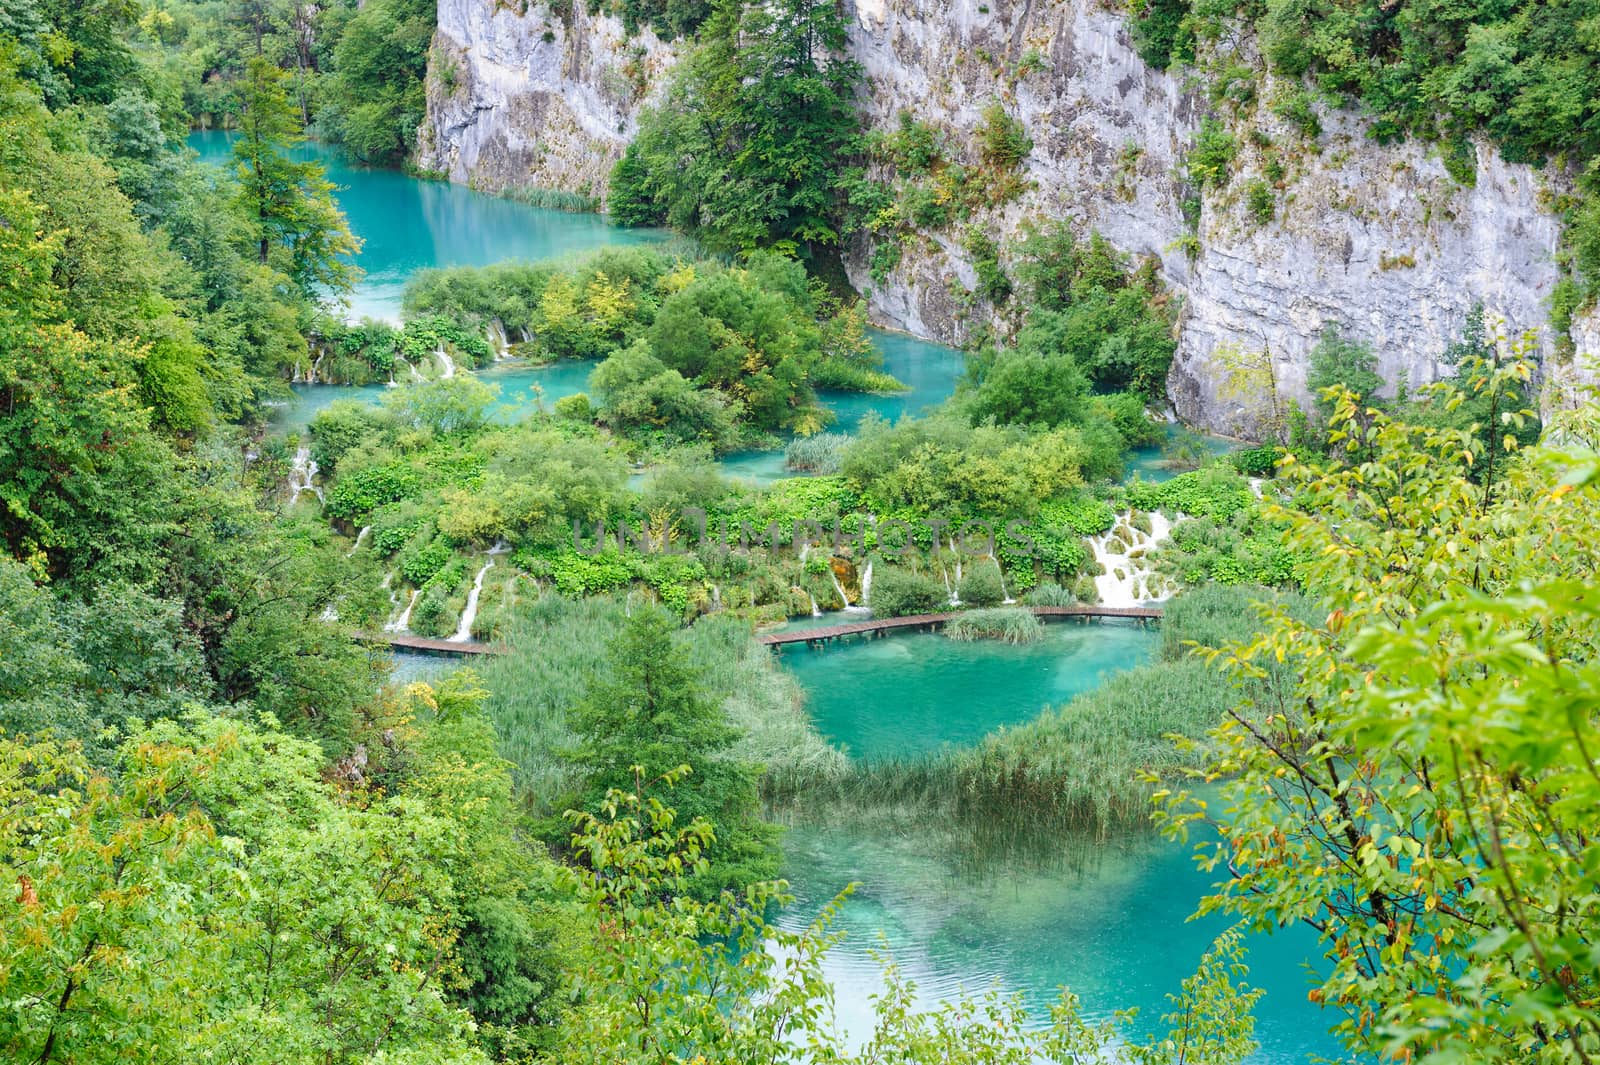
222, 895
1420, 785
676, 973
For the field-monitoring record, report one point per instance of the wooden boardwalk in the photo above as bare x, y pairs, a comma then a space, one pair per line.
815, 637
818, 636
423, 645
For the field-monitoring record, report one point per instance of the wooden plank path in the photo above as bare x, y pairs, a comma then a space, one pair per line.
819, 636
815, 637
423, 645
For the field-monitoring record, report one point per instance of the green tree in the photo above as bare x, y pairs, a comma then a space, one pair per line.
648, 709
381, 62
1420, 788
296, 225
748, 146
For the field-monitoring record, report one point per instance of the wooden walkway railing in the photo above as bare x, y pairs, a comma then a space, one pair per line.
423, 645
815, 637
818, 636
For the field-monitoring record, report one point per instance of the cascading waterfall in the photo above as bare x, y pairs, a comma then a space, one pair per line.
447, 365
866, 584
816, 611
403, 622
329, 613
360, 536
316, 367
1129, 579
302, 475
469, 613
498, 340
1005, 596
843, 598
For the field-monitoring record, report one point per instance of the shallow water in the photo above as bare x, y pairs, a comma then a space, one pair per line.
1106, 918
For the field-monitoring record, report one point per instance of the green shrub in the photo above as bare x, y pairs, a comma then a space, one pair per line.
426, 560
1260, 201
1009, 624
981, 585
1255, 461
1210, 160
1003, 140
822, 453
1296, 108
1049, 594
993, 284
575, 407
898, 592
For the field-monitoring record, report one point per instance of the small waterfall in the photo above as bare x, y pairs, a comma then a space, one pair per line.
496, 333
716, 597
816, 611
392, 382
1005, 596
866, 584
843, 598
447, 365
469, 613
403, 622
329, 613
316, 367
1129, 579
360, 536
302, 475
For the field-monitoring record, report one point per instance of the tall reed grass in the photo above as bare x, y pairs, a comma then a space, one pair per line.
1081, 768
558, 647
1008, 624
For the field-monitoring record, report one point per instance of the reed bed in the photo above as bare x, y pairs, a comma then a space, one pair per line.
558, 647
1080, 769
1008, 624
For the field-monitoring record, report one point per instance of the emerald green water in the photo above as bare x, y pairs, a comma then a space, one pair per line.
899, 697
408, 225
1106, 918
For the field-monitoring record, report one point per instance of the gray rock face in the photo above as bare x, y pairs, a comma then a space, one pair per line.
1378, 240
520, 98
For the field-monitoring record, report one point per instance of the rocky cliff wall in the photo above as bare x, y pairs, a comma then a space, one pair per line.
523, 98
1379, 240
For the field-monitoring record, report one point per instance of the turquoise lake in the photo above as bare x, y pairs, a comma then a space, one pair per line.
406, 224
1107, 918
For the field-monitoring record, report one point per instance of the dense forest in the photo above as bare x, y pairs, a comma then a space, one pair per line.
231, 829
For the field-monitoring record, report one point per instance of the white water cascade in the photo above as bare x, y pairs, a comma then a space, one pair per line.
360, 536
843, 598
1128, 578
302, 475
866, 584
498, 340
403, 622
816, 611
447, 365
469, 613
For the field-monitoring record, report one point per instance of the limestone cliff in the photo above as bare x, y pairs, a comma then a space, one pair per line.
523, 98
1377, 239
